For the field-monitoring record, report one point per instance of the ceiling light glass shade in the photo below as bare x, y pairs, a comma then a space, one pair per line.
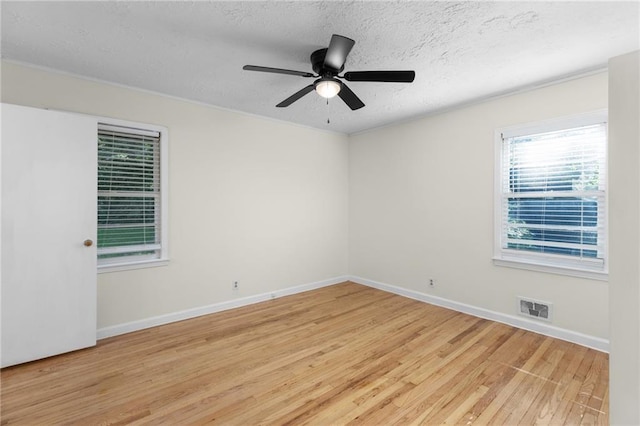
327, 88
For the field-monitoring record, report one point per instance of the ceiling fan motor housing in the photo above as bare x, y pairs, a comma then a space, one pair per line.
317, 64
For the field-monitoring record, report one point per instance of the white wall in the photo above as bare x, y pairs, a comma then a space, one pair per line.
624, 200
421, 206
254, 200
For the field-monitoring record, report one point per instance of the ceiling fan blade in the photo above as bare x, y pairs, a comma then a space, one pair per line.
277, 70
350, 98
291, 99
382, 76
337, 52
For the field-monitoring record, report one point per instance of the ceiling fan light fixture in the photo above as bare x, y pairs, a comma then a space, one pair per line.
328, 88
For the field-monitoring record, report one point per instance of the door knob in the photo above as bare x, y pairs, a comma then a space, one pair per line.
88, 243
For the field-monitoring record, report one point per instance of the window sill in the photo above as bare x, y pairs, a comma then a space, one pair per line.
128, 266
551, 269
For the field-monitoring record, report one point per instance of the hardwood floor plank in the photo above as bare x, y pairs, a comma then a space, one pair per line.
460, 414
344, 354
540, 375
599, 383
570, 396
550, 395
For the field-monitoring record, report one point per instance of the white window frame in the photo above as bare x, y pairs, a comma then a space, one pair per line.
556, 264
137, 262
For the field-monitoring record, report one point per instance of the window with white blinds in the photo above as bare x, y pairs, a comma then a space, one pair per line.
129, 195
552, 194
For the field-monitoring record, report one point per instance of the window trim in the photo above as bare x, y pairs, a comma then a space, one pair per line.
548, 263
139, 262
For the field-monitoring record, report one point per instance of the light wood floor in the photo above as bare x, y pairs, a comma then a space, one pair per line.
344, 354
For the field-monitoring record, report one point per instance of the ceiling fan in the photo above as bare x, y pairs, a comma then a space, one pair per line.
327, 64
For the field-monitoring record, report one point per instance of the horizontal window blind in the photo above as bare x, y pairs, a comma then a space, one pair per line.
128, 193
554, 193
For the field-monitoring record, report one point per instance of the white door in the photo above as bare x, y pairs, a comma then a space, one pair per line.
48, 286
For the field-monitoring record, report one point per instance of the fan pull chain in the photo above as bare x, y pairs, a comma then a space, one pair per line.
328, 122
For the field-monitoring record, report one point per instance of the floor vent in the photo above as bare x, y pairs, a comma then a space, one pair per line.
535, 309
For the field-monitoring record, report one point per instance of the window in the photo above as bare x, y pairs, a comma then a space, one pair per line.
132, 213
551, 196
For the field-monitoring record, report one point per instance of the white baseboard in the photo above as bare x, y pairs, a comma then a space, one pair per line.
129, 327
515, 321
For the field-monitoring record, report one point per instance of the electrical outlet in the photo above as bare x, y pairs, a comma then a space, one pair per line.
235, 285
432, 282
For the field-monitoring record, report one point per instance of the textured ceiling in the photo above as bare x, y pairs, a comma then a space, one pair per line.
461, 52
